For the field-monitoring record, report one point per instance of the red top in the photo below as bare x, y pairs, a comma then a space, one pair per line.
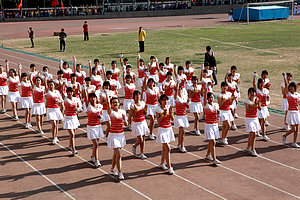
3, 79
232, 87
226, 99
141, 72
34, 75
93, 113
262, 96
76, 88
153, 70
180, 106
103, 95
67, 73
70, 107
151, 96
96, 81
166, 120
189, 71
13, 84
293, 100
161, 76
129, 89
211, 112
205, 82
80, 77
283, 86
115, 73
182, 79
253, 112
117, 121
196, 98
169, 91
85, 28
56, 81
140, 112
26, 89
52, 99
38, 94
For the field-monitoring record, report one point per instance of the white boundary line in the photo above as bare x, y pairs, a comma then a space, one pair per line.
122, 182
37, 171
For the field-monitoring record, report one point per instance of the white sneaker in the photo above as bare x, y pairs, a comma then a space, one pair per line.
121, 176
266, 138
267, 123
106, 140
16, 118
258, 134
198, 132
236, 115
233, 127
143, 156
182, 149
209, 158
253, 153
171, 171
41, 133
152, 137
92, 159
133, 150
163, 166
283, 139
75, 152
55, 141
97, 163
129, 128
294, 144
217, 162
29, 124
26, 126
286, 127
225, 141
115, 172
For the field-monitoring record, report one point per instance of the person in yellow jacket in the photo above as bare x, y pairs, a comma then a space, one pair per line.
142, 36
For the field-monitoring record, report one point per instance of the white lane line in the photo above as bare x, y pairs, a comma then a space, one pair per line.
233, 44
36, 170
122, 182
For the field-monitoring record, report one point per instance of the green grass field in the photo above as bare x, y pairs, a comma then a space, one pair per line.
273, 46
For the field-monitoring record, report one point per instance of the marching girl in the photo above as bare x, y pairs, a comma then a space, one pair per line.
59, 82
115, 73
180, 121
233, 88
104, 101
46, 74
123, 63
180, 76
26, 98
141, 70
76, 90
139, 125
162, 75
165, 134
3, 87
129, 88
152, 94
267, 85
38, 108
251, 121
96, 80
189, 72
33, 73
94, 128
13, 90
89, 88
206, 83
54, 99
211, 129
236, 77
195, 93
130, 73
67, 71
71, 122
293, 116
168, 65
116, 138
224, 101
168, 87
80, 74
153, 67
284, 103
114, 85
100, 69
262, 113
208, 71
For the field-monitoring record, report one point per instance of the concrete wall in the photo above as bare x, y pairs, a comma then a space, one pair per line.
196, 10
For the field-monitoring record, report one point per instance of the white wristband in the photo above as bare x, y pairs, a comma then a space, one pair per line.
20, 66
89, 61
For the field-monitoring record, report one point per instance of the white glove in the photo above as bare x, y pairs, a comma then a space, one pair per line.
139, 56
121, 55
255, 74
156, 59
64, 81
74, 59
178, 81
20, 66
7, 62
228, 71
89, 61
61, 61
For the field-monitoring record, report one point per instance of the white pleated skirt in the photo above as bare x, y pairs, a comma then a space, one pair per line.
233, 105
165, 135
155, 78
226, 115
140, 82
171, 101
160, 87
105, 116
181, 121
211, 131
3, 90
116, 140
196, 107
97, 93
38, 109
26, 102
139, 128
54, 114
127, 103
263, 113
293, 117
94, 132
151, 109
284, 105
252, 125
13, 97
71, 122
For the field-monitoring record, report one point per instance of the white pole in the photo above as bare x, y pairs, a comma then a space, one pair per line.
248, 14
292, 10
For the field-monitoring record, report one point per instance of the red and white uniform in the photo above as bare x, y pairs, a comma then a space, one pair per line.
293, 116
211, 129
70, 118
169, 67
267, 81
3, 84
139, 125
165, 132
114, 85
13, 89
128, 100
99, 68
59, 84
132, 74
97, 82
284, 103
196, 105
236, 77
181, 119
225, 113
182, 79
169, 91
251, 121
76, 88
115, 73
105, 116
80, 76
189, 72
94, 129
26, 96
141, 75
38, 101
53, 111
34, 75
67, 73
48, 77
116, 137
232, 88
151, 100
262, 96
153, 71
162, 75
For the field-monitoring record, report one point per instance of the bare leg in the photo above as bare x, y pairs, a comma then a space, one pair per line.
54, 124
142, 144
118, 159
296, 133
180, 136
168, 154
151, 125
262, 123
162, 155
225, 129
292, 130
72, 139
212, 148
196, 121
107, 128
113, 163
95, 149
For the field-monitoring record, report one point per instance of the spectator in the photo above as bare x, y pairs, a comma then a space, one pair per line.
31, 36
142, 36
230, 15
62, 39
211, 60
86, 31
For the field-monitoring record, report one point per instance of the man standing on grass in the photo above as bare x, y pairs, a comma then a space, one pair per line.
142, 36
62, 38
211, 60
85, 31
31, 36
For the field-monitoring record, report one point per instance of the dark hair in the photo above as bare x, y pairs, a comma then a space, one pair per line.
60, 72
23, 75
65, 63
292, 84
32, 66
73, 75
85, 21
152, 57
251, 90
50, 82
108, 73
88, 79
194, 78
259, 81
188, 62
94, 69
106, 83
230, 74
169, 74
161, 64
136, 92
233, 67
45, 67
224, 84
264, 72
209, 94
150, 80
92, 95
113, 62
113, 98
128, 66
206, 64
128, 76
162, 98
125, 59
38, 78
289, 75
96, 60
179, 68
14, 71
77, 65
167, 59
70, 89
141, 60
208, 48
205, 71
62, 29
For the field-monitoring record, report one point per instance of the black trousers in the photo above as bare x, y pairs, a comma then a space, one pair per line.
86, 36
32, 43
62, 45
142, 47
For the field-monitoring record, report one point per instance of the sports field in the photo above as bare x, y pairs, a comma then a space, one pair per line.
33, 168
